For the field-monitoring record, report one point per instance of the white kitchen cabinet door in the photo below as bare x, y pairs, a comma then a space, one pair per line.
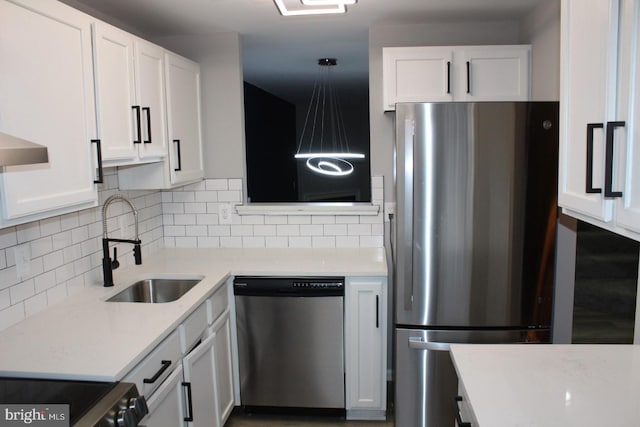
46, 82
599, 179
167, 403
117, 120
199, 373
416, 74
492, 73
151, 96
626, 167
131, 112
221, 332
184, 119
588, 96
366, 347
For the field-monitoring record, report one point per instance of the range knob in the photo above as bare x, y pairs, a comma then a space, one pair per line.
138, 405
126, 418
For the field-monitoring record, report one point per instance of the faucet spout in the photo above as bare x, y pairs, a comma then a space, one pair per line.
108, 265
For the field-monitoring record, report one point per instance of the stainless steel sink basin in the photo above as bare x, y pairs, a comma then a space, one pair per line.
155, 291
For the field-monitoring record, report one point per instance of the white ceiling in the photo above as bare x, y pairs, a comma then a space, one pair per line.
277, 48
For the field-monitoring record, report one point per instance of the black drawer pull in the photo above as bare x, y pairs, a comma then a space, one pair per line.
608, 168
154, 378
189, 417
100, 179
448, 76
589, 175
377, 311
136, 108
459, 421
147, 111
179, 167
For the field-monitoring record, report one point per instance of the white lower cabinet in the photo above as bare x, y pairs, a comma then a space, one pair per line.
188, 378
167, 404
199, 375
223, 366
366, 347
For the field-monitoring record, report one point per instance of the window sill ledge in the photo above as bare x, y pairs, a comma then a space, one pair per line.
309, 209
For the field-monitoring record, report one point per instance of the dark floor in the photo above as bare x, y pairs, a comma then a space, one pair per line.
243, 420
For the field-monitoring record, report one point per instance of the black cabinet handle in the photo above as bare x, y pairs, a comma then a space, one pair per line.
468, 77
100, 179
179, 167
377, 311
589, 175
147, 111
136, 108
458, 415
154, 378
448, 76
608, 168
189, 416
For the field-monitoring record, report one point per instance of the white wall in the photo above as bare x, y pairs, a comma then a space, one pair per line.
220, 59
541, 29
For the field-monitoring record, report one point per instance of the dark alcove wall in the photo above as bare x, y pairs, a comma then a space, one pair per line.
270, 132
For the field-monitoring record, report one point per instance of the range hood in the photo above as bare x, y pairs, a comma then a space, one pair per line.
17, 151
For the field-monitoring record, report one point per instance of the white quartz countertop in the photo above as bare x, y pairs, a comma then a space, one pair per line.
84, 337
551, 385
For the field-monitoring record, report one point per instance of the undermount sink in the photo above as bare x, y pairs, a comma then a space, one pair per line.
155, 291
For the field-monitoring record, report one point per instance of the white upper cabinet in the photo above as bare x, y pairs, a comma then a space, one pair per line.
46, 82
455, 73
129, 83
598, 179
183, 104
184, 164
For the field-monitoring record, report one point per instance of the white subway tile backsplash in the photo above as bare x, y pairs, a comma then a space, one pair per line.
50, 226
359, 229
28, 232
311, 230
8, 237
5, 299
300, 242
323, 242
347, 242
35, 304
66, 251
277, 242
253, 242
216, 184
299, 219
288, 230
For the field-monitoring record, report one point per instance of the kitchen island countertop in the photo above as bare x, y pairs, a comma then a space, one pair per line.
84, 337
550, 385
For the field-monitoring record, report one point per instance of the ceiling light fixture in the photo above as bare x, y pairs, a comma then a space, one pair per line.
312, 7
324, 135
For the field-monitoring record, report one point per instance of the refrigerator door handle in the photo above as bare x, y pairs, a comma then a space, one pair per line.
418, 343
409, 132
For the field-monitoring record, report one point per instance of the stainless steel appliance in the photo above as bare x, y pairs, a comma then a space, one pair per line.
290, 342
476, 194
91, 403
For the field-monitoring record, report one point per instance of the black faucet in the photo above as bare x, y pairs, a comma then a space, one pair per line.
108, 265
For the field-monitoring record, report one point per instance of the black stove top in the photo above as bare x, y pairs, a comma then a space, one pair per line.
79, 395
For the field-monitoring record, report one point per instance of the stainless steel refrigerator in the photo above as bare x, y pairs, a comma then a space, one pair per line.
475, 240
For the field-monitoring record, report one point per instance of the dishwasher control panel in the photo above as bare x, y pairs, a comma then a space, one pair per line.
291, 286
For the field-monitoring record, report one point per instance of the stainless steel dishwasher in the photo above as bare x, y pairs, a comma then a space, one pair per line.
291, 342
